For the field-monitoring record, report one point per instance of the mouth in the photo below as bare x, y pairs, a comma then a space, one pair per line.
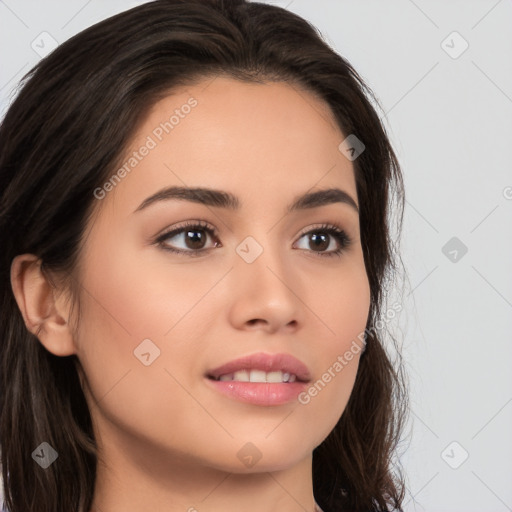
262, 368
252, 375
266, 380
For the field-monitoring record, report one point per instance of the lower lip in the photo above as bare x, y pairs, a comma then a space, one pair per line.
259, 393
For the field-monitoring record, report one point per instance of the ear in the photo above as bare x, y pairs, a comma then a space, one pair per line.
45, 316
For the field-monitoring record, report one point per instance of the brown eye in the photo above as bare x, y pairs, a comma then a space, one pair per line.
326, 240
320, 239
192, 238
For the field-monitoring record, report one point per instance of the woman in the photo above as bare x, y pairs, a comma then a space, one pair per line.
194, 215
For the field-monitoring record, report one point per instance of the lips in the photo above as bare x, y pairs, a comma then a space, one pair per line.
269, 363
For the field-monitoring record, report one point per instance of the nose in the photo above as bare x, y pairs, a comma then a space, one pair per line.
264, 294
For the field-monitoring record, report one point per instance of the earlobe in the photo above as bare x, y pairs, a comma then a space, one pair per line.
35, 297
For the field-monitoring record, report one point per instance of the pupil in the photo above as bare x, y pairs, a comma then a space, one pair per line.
319, 240
194, 239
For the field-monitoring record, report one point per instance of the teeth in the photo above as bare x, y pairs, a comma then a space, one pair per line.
242, 376
275, 377
259, 376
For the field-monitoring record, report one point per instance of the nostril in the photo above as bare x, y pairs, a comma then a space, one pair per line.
255, 321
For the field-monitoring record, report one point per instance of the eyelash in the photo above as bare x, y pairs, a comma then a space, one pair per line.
331, 229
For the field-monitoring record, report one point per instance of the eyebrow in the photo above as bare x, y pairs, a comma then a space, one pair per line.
223, 199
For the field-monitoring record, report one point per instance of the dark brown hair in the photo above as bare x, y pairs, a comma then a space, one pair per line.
63, 136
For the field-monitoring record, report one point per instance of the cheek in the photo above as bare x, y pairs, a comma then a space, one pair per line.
326, 397
121, 329
340, 300
343, 305
146, 292
127, 301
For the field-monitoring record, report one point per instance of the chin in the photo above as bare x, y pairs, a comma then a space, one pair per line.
276, 462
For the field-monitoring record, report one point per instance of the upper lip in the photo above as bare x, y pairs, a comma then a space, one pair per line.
267, 363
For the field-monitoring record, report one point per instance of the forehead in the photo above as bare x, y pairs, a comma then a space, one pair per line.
263, 142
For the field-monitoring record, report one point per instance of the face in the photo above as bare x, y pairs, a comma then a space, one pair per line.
256, 279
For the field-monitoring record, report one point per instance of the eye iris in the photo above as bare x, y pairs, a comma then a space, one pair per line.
195, 238
319, 241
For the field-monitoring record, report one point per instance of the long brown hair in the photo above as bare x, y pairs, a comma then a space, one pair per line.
63, 136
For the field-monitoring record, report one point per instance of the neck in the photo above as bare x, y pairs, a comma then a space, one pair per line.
143, 478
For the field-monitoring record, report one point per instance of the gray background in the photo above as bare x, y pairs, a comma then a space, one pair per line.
449, 115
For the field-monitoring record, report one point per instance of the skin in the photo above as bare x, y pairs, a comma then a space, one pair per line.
167, 441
